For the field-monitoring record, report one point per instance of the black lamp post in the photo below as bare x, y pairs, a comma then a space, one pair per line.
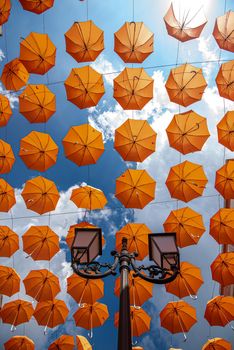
87, 245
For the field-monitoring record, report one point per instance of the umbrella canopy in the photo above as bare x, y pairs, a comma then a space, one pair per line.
135, 140
71, 232
16, 312
222, 226
40, 195
40, 242
19, 342
14, 75
84, 87
88, 197
83, 343
37, 53
7, 157
222, 269
139, 290
225, 130
84, 41
224, 31
135, 188
9, 281
9, 242
187, 224
185, 84
37, 103
5, 110
217, 344
51, 313
64, 342
187, 132
186, 181
38, 151
85, 290
5, 9
220, 311
224, 181
184, 25
133, 88
41, 285
137, 236
37, 6
83, 144
187, 282
7, 196
134, 42
225, 80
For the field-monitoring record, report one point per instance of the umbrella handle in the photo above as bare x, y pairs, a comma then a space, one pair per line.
181, 326
90, 334
13, 328
46, 327
134, 342
137, 307
192, 296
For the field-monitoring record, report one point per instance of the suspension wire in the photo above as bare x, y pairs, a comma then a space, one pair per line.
87, 9
133, 10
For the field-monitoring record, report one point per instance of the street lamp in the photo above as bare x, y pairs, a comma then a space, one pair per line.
163, 251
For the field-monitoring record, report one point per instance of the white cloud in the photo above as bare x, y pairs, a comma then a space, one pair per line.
210, 52
105, 67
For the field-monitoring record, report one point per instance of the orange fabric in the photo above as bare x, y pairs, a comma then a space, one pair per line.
225, 79
88, 197
217, 344
91, 315
135, 140
220, 311
84, 41
224, 181
187, 224
40, 242
37, 103
41, 285
185, 84
134, 42
7, 196
7, 157
84, 87
37, 6
222, 269
186, 181
5, 110
187, 132
224, 31
133, 88
222, 226
64, 342
9, 242
16, 312
51, 313
83, 343
83, 144
225, 130
9, 281
40, 195
38, 151
5, 9
14, 75
19, 342
71, 232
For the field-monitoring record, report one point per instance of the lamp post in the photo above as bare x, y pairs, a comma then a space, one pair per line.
163, 251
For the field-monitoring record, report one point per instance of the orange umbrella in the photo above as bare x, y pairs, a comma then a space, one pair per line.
9, 281
41, 285
138, 348
7, 196
5, 110
224, 181
134, 42
7, 157
225, 130
222, 226
187, 282
40, 242
135, 140
16, 312
178, 317
135, 188
222, 269
5, 9
187, 224
220, 311
217, 344
187, 132
9, 242
37, 53
64, 342
88, 197
84, 41
224, 31
137, 236
84, 87
40, 195
83, 343
37, 103
133, 88
19, 342
85, 290
185, 84
140, 291
83, 144
37, 6
14, 75
38, 151
183, 26
225, 80
186, 181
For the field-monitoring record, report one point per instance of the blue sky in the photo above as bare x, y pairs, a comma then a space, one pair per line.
110, 15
